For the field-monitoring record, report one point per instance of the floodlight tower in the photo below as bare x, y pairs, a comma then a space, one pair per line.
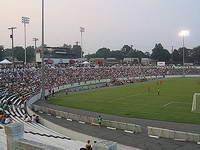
25, 21
12, 37
183, 34
82, 30
42, 54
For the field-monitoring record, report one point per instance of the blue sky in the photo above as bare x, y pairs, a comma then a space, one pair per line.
108, 23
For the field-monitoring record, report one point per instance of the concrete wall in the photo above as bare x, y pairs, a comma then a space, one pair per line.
108, 123
31, 145
105, 145
79, 136
15, 139
172, 134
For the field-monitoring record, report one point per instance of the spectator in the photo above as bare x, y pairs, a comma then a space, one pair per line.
27, 118
37, 119
99, 120
88, 146
33, 118
7, 120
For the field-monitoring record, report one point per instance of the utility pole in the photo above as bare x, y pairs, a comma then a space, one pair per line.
42, 53
12, 37
172, 49
82, 30
35, 41
183, 34
77, 43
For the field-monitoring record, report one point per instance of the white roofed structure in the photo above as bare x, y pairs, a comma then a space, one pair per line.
5, 61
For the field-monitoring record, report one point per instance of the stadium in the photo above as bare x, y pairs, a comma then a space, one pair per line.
106, 75
135, 104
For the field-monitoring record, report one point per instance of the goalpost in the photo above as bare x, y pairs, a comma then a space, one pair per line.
196, 103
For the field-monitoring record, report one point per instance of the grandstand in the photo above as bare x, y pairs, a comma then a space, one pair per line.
18, 86
33, 131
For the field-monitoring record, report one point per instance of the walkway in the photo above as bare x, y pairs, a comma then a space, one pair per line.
141, 141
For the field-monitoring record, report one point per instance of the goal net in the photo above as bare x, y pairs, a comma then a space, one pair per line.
196, 103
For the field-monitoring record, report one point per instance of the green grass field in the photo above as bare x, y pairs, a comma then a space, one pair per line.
140, 100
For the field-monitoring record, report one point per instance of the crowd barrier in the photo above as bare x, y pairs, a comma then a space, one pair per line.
173, 134
99, 144
90, 120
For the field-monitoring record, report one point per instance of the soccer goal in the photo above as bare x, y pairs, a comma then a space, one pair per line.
196, 103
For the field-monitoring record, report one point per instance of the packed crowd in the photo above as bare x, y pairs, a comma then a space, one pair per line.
25, 82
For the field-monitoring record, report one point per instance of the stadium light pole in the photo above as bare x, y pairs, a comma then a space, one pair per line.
25, 21
12, 37
42, 54
183, 34
82, 30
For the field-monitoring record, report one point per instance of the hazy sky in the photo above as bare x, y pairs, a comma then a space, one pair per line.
108, 23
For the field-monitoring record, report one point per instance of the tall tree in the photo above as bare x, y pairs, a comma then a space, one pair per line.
67, 46
196, 55
76, 50
127, 51
103, 53
187, 55
1, 52
8, 53
176, 57
160, 54
117, 54
30, 52
19, 53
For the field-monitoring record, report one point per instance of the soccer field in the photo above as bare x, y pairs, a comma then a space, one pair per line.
140, 100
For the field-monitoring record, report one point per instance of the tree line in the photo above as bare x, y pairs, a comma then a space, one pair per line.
159, 53
18, 53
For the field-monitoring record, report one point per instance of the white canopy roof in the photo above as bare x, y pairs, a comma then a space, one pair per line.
85, 62
5, 61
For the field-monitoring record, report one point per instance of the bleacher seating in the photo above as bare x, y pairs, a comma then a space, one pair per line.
33, 131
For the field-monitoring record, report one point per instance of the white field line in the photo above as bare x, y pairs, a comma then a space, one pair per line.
168, 104
173, 102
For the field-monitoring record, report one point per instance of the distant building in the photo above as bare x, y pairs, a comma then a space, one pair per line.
59, 52
97, 61
131, 60
145, 61
160, 63
59, 55
104, 62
